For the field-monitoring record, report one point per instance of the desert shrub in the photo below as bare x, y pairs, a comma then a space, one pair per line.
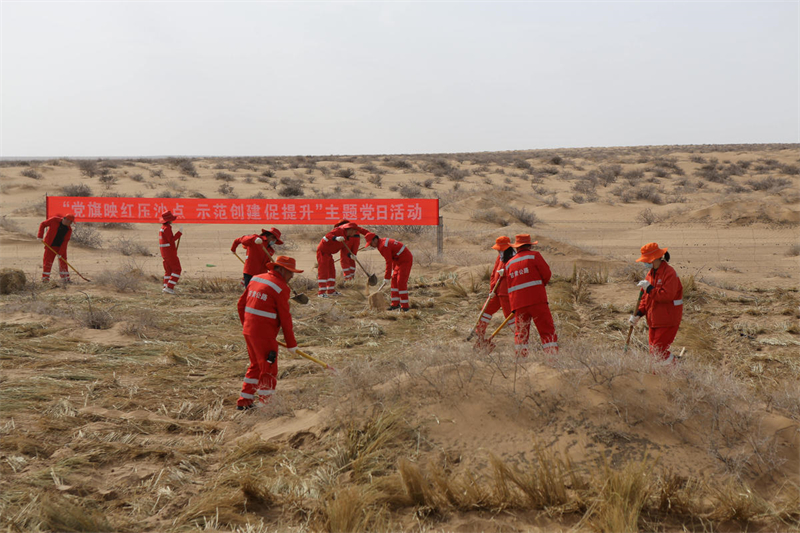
290, 187
12, 280
31, 173
86, 235
129, 247
647, 217
551, 201
409, 191
347, 173
438, 167
121, 280
457, 174
428, 183
157, 173
375, 180
398, 163
769, 183
108, 179
88, 167
608, 174
80, 189
490, 216
522, 164
268, 174
137, 178
93, 316
551, 171
217, 285
794, 250
586, 185
697, 159
556, 160
789, 170
522, 215
184, 166
224, 176
225, 189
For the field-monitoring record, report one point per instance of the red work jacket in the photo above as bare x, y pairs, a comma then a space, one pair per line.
663, 307
166, 241
329, 244
502, 289
393, 252
51, 225
527, 274
255, 258
264, 308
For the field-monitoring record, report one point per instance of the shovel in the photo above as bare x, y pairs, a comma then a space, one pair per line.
312, 358
630, 330
299, 298
494, 290
67, 262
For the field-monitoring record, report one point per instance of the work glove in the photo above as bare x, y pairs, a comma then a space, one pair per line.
293, 349
633, 320
340, 239
180, 228
644, 285
501, 271
40, 239
259, 240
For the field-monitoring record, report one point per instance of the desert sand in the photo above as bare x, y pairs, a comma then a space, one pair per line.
118, 401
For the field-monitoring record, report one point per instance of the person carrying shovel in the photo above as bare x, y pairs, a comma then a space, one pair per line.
661, 302
498, 297
333, 241
59, 230
263, 311
528, 274
168, 244
399, 261
255, 258
349, 250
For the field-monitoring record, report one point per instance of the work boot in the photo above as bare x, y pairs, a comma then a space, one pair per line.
322, 296
405, 309
245, 407
393, 308
334, 293
168, 291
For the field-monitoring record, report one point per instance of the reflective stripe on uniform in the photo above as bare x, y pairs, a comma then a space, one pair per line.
550, 345
325, 239
247, 396
525, 285
677, 302
400, 251
519, 259
251, 381
265, 392
268, 282
163, 245
403, 292
174, 275
259, 312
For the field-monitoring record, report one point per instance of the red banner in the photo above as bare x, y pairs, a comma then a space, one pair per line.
405, 212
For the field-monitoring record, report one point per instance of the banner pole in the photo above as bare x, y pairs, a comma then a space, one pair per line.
440, 236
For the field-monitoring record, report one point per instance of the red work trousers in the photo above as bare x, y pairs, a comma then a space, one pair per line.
261, 376
495, 303
326, 273
172, 271
400, 273
47, 263
660, 339
348, 266
540, 314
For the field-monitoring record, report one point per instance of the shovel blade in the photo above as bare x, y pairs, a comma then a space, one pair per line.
373, 280
301, 299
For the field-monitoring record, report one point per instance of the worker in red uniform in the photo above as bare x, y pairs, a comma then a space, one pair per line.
263, 310
661, 303
255, 259
59, 230
333, 241
498, 298
168, 244
398, 267
351, 249
528, 274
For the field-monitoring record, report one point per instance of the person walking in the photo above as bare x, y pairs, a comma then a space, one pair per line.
168, 244
350, 249
333, 241
528, 274
499, 296
59, 230
661, 303
399, 261
263, 310
255, 259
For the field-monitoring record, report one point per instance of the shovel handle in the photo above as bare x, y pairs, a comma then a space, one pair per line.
630, 330
509, 317
237, 257
311, 358
483, 309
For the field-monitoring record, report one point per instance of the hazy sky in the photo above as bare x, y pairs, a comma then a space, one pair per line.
279, 78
